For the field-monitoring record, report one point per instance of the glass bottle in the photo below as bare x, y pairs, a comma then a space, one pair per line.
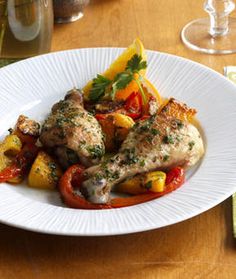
25, 28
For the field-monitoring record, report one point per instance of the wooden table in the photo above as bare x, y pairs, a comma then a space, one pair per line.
202, 247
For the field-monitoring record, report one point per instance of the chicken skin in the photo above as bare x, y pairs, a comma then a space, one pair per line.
72, 133
159, 142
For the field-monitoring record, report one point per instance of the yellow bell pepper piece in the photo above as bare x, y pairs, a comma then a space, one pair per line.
133, 186
155, 181
124, 121
152, 181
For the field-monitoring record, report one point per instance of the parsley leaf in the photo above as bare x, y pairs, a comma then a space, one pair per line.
99, 86
121, 80
135, 64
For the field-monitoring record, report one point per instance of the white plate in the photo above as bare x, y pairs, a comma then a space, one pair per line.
32, 86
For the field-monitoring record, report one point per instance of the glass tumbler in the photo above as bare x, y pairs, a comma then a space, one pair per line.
25, 28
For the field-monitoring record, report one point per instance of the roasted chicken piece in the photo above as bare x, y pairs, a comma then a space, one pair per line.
73, 133
177, 109
159, 142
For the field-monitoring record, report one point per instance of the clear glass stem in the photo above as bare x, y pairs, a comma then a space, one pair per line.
219, 11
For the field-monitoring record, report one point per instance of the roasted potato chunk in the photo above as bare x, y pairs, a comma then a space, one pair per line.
45, 172
10, 146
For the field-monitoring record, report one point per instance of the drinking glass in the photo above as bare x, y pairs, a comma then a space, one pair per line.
68, 10
213, 35
25, 28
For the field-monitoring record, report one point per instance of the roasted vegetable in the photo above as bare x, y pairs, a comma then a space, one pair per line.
174, 179
26, 129
134, 186
155, 181
69, 186
123, 121
133, 105
124, 93
108, 128
106, 106
149, 182
20, 165
44, 172
115, 126
178, 110
10, 146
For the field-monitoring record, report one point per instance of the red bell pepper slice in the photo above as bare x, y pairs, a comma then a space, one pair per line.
20, 164
25, 139
133, 105
101, 116
9, 172
174, 179
68, 183
144, 117
72, 179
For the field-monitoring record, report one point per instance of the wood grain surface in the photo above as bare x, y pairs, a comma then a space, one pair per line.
202, 247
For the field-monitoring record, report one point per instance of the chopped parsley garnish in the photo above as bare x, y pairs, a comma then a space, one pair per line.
147, 124
151, 119
166, 158
149, 139
191, 145
144, 127
96, 151
62, 105
142, 163
168, 139
115, 175
177, 124
155, 132
53, 171
107, 174
98, 176
148, 185
136, 125
131, 158
180, 124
